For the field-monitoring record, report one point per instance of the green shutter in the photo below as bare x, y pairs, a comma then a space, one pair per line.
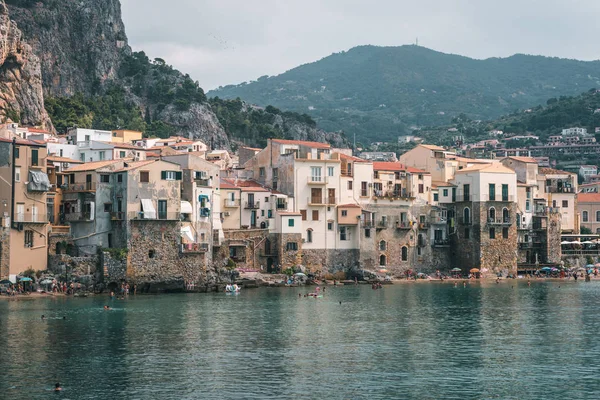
163, 175
178, 175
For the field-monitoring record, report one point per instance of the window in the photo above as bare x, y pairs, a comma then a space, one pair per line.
120, 178
309, 235
170, 175
419, 251
151, 253
436, 197
329, 226
565, 203
17, 152
349, 169
28, 238
584, 216
82, 157
144, 176
344, 233
107, 207
262, 213
61, 152
34, 157
364, 192
504, 192
303, 212
291, 246
266, 199
528, 191
467, 215
505, 215
162, 209
122, 154
315, 174
453, 195
420, 177
492, 191
492, 233
404, 253
492, 214
382, 260
344, 213
505, 233
104, 178
467, 233
597, 216
269, 213
421, 188
101, 155
527, 205
349, 185
367, 233
17, 174
445, 192
315, 215
261, 171
291, 222
466, 192
330, 171
383, 245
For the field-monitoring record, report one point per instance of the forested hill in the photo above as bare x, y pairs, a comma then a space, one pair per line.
379, 93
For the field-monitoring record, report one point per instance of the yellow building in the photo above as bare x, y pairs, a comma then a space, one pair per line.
125, 136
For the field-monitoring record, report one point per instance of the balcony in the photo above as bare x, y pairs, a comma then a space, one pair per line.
61, 229
79, 217
403, 225
153, 216
499, 221
203, 182
229, 203
315, 201
368, 224
441, 242
117, 216
552, 189
194, 247
28, 218
281, 206
79, 187
331, 201
252, 205
317, 180
383, 224
423, 225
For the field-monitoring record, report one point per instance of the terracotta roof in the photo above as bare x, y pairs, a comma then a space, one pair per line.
316, 145
471, 160
496, 168
37, 130
588, 197
63, 160
251, 148
524, 159
432, 147
552, 171
349, 205
125, 146
227, 185
91, 166
442, 184
396, 166
134, 165
246, 185
23, 142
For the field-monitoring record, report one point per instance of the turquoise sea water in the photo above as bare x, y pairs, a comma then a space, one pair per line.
409, 341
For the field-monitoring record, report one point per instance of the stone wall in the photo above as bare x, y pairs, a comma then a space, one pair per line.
554, 249
498, 254
330, 260
4, 252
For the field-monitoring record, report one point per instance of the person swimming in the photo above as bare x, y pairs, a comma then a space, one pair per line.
57, 387
106, 307
43, 317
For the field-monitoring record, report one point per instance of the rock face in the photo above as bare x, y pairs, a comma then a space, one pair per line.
21, 94
199, 122
80, 43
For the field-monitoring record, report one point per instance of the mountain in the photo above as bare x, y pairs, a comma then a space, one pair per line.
71, 59
379, 93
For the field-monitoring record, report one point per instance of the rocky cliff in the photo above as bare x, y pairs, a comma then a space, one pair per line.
81, 49
21, 95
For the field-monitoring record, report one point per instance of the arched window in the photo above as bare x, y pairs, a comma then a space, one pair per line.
383, 245
584, 216
505, 215
382, 260
492, 214
467, 215
309, 233
404, 253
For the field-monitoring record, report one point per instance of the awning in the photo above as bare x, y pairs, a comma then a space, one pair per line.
38, 181
279, 196
148, 209
203, 196
186, 233
186, 207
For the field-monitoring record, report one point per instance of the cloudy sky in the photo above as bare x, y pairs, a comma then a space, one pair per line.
220, 42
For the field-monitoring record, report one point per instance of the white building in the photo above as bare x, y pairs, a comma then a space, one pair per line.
574, 132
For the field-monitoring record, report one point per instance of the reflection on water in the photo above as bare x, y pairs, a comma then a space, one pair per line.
412, 341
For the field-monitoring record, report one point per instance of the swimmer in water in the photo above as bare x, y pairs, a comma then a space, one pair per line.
528, 283
43, 317
106, 307
57, 387
455, 284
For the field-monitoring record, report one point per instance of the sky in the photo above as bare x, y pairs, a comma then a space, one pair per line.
221, 42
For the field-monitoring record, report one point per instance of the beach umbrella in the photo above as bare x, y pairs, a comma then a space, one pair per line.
575, 242
383, 270
25, 279
589, 266
565, 242
46, 282
455, 270
299, 274
474, 270
546, 269
5, 282
587, 242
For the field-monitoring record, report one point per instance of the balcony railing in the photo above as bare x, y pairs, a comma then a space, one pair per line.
79, 187
252, 205
423, 225
331, 200
229, 203
382, 224
403, 225
552, 189
282, 206
195, 247
317, 180
31, 218
78, 217
203, 182
441, 242
153, 216
368, 224
315, 200
499, 221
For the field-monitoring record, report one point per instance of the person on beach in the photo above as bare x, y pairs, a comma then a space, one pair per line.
57, 387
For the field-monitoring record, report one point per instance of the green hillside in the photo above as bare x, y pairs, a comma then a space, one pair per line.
379, 93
